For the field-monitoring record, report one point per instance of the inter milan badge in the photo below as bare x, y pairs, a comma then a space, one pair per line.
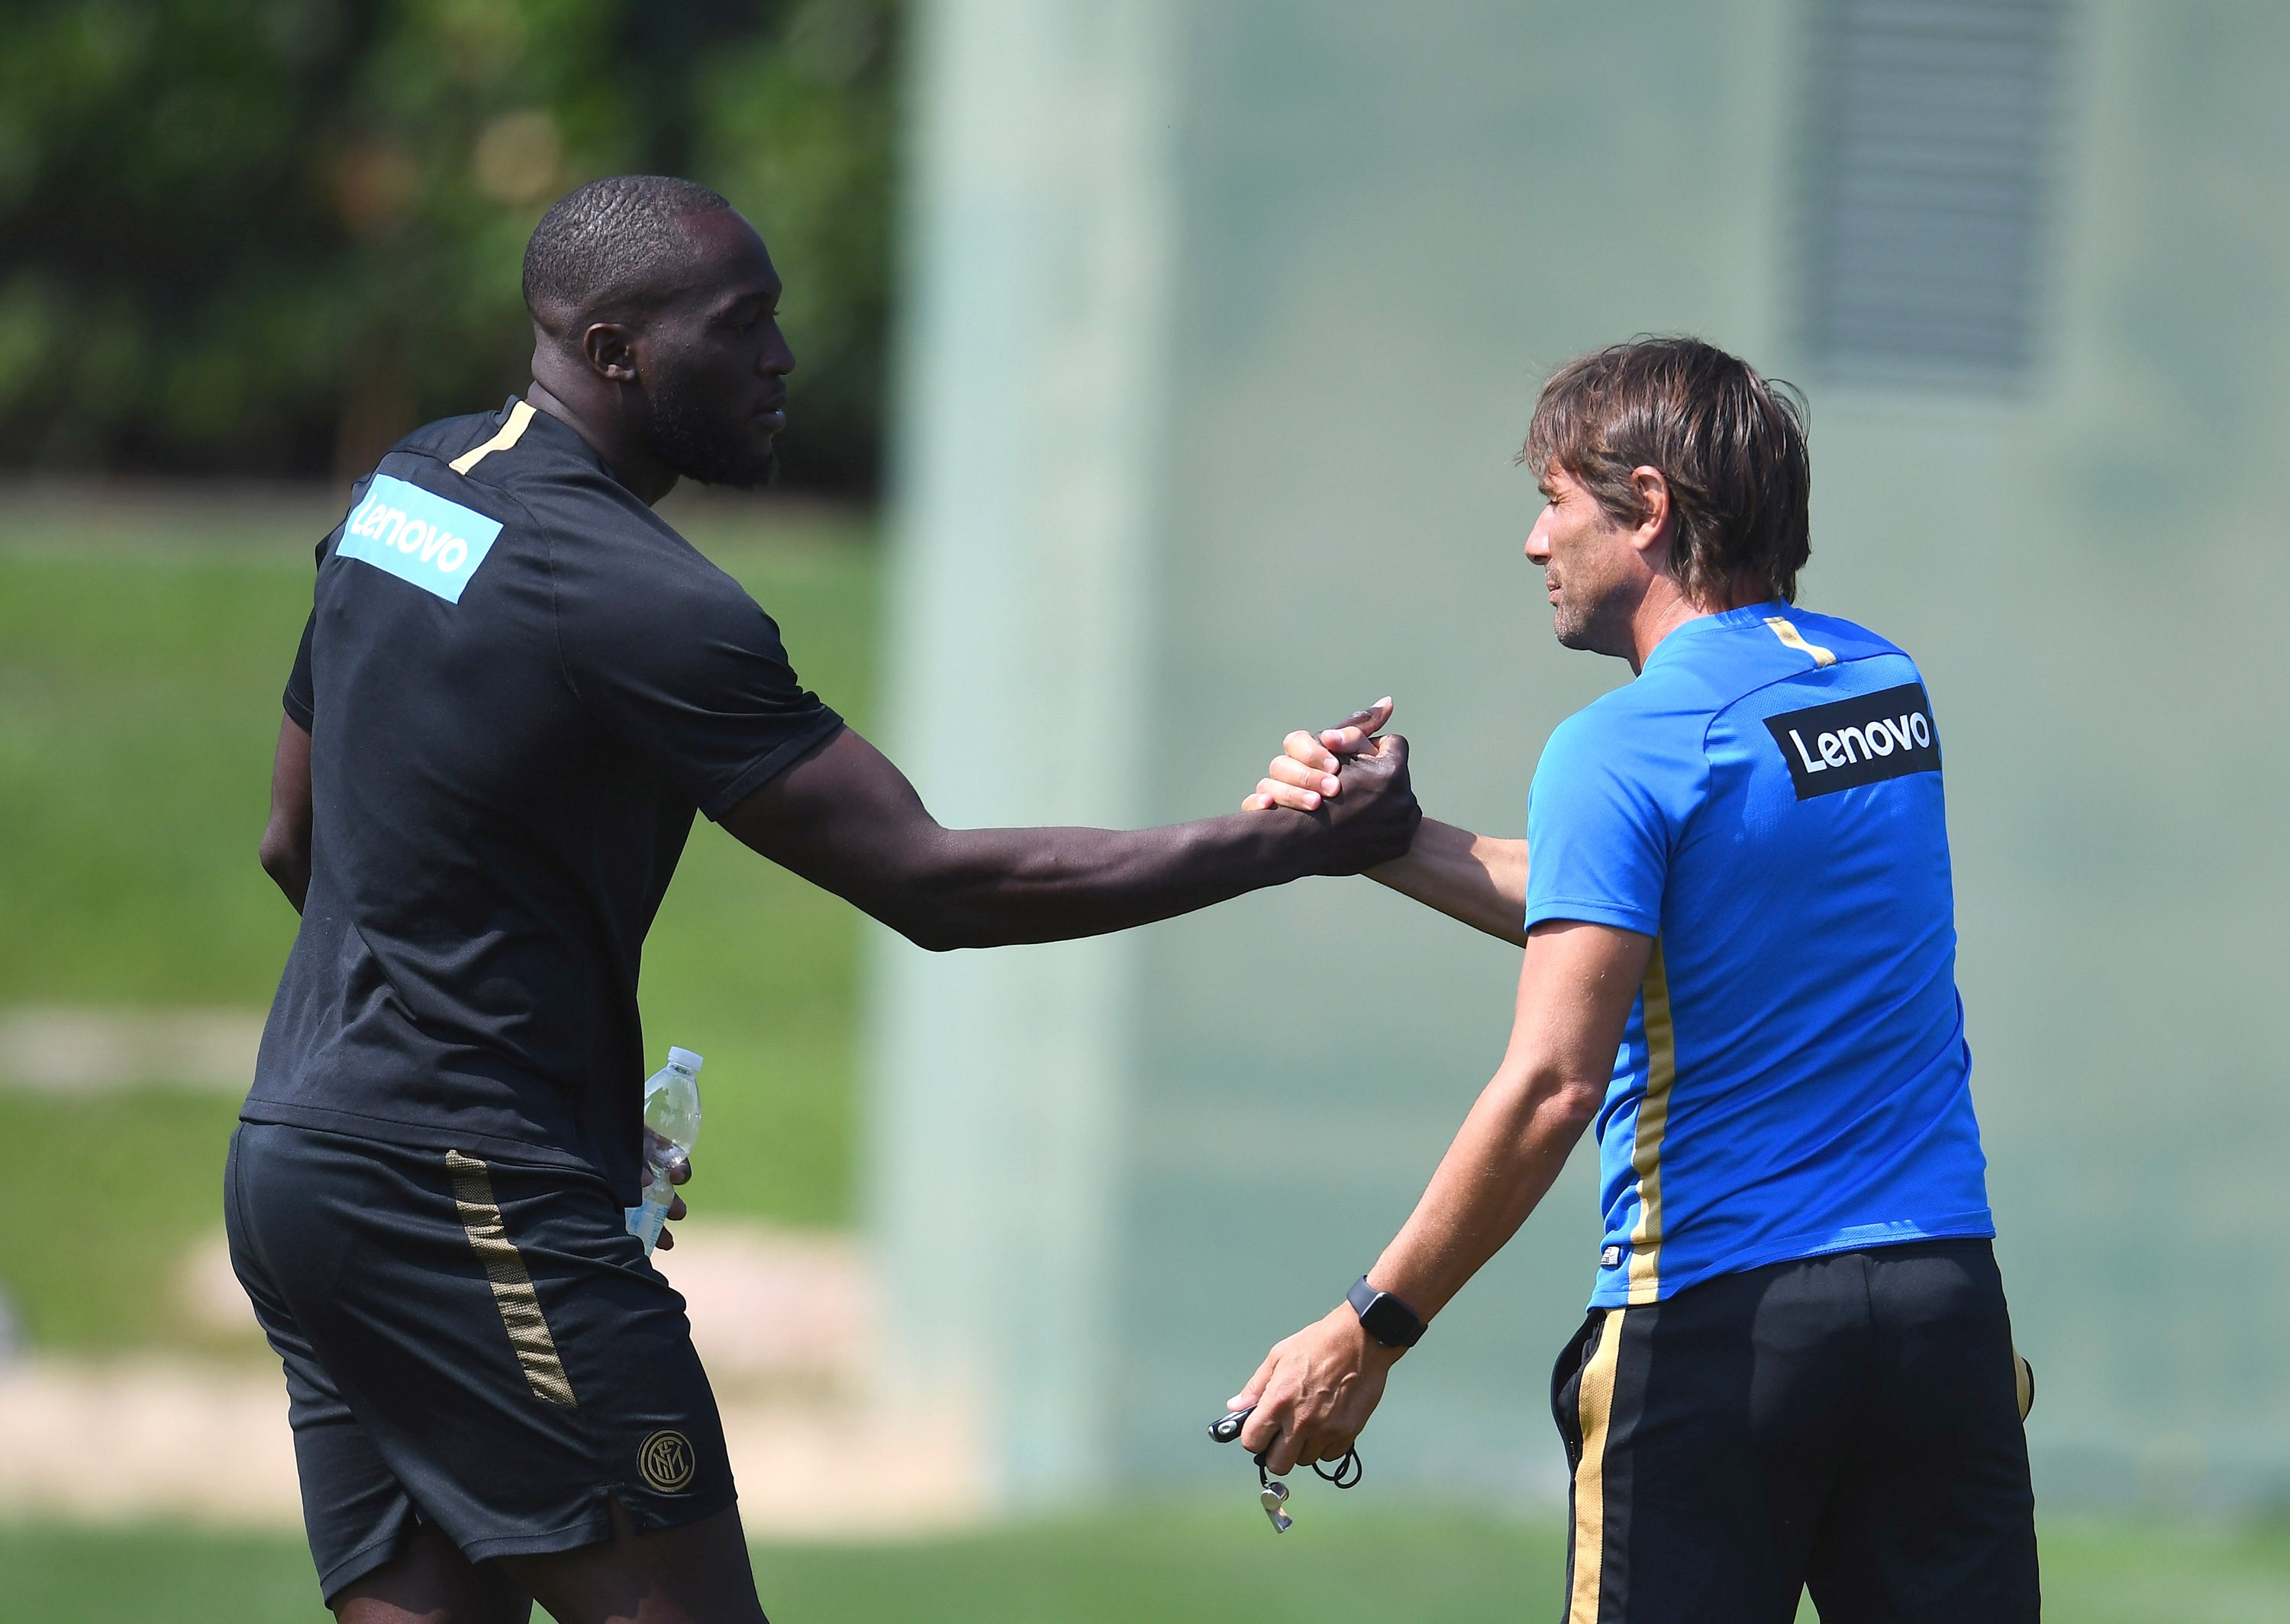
666, 1460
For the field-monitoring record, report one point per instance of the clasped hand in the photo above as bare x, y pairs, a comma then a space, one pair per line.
1310, 768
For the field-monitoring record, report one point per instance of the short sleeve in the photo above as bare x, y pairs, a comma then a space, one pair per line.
301, 697
1609, 797
686, 668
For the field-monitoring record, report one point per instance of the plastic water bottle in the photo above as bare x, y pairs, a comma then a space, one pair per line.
672, 1115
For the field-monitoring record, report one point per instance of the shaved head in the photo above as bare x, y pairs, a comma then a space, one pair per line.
656, 331
615, 247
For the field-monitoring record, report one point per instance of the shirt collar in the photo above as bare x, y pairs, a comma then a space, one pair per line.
1724, 619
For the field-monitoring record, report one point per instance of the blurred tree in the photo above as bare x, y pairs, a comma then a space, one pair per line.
266, 237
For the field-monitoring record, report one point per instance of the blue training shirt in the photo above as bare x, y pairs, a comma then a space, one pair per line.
1765, 801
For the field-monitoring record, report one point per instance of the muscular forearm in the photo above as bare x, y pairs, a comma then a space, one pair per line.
1499, 1168
983, 888
1576, 985
1475, 878
846, 820
1317, 1389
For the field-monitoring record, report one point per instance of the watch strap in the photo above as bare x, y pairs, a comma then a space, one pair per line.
1384, 1317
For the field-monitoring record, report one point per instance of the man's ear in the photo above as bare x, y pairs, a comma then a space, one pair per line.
1652, 535
610, 350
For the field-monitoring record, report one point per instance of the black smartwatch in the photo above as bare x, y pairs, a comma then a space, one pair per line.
1384, 1317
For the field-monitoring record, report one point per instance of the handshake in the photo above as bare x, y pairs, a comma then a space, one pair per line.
1377, 824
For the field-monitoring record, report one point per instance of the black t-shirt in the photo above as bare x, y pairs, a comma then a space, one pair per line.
519, 685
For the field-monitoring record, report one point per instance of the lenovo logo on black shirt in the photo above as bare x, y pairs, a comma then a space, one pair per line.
1857, 742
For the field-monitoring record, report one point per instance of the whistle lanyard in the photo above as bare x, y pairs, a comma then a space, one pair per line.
1271, 1493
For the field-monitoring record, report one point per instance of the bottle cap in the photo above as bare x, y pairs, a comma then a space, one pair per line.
683, 1059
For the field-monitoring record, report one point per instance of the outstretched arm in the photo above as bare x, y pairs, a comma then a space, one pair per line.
1315, 1390
286, 850
1475, 878
847, 820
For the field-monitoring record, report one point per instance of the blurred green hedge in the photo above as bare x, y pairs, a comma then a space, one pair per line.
264, 238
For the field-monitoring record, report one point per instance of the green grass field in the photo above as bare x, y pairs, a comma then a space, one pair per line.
1202, 1564
141, 655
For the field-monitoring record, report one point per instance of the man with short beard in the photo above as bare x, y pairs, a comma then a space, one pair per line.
516, 687
1740, 963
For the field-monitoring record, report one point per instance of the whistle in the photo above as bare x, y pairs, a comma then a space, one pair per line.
1273, 1497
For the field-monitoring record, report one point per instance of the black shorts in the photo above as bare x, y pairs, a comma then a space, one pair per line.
1849, 1423
469, 1343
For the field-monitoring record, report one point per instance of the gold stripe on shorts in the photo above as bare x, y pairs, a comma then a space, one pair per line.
513, 1292
1595, 1407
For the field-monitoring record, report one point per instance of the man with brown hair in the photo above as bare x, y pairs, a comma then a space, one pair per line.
1740, 965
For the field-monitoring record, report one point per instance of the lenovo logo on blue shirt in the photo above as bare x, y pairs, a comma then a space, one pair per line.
1856, 742
417, 536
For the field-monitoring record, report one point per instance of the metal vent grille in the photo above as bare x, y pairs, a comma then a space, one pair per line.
1930, 134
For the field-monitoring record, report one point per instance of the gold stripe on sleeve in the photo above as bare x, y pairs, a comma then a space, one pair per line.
1787, 631
511, 432
1652, 1125
513, 1292
1595, 1408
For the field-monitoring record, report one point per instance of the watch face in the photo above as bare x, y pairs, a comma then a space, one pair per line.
1384, 1317
1402, 1328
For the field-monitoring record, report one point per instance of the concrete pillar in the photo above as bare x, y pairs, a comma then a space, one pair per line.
1020, 610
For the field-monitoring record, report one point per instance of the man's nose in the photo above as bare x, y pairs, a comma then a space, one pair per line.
778, 360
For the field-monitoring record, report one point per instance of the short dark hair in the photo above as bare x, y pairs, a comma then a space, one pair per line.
600, 249
1731, 445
